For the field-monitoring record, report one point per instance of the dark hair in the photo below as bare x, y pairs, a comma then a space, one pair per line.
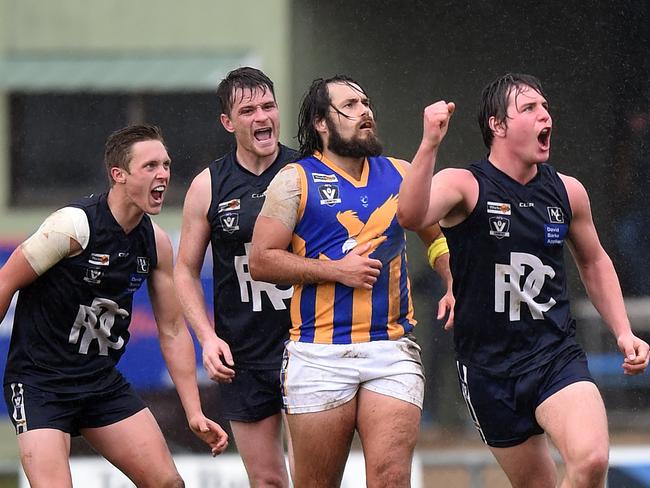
241, 78
117, 151
494, 100
315, 106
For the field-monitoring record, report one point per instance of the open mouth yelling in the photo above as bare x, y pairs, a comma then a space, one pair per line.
157, 193
544, 138
263, 135
368, 124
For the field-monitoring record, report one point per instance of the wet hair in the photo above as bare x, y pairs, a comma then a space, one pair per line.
117, 150
315, 106
245, 78
494, 100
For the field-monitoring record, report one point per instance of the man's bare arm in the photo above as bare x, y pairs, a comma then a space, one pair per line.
195, 236
271, 261
177, 346
599, 277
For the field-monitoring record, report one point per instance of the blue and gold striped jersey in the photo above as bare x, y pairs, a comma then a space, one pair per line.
337, 213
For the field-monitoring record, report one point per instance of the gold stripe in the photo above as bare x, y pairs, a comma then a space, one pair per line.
394, 328
299, 248
304, 189
324, 313
360, 183
296, 319
298, 245
410, 311
398, 166
361, 315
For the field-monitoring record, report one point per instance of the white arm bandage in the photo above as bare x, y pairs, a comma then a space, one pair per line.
51, 242
283, 197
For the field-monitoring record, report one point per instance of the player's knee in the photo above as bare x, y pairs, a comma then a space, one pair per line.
158, 480
174, 481
268, 480
533, 477
395, 478
391, 474
590, 469
597, 465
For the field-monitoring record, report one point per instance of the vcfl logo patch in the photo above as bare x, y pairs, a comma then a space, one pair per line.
499, 227
229, 222
93, 276
329, 195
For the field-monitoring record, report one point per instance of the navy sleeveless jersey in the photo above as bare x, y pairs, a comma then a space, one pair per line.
71, 324
512, 309
251, 316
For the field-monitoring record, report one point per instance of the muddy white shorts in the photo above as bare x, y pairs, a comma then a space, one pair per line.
317, 377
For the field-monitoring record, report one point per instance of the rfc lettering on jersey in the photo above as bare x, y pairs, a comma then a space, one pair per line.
102, 311
508, 281
276, 295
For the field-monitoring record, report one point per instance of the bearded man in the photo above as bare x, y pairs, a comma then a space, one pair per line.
351, 362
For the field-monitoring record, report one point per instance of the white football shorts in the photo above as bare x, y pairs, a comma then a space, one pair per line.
317, 377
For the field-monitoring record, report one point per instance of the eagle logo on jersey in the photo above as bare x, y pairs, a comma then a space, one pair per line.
372, 231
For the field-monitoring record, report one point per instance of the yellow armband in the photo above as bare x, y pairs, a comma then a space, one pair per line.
437, 249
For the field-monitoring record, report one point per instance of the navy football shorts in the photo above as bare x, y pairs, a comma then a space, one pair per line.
253, 395
503, 408
31, 408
